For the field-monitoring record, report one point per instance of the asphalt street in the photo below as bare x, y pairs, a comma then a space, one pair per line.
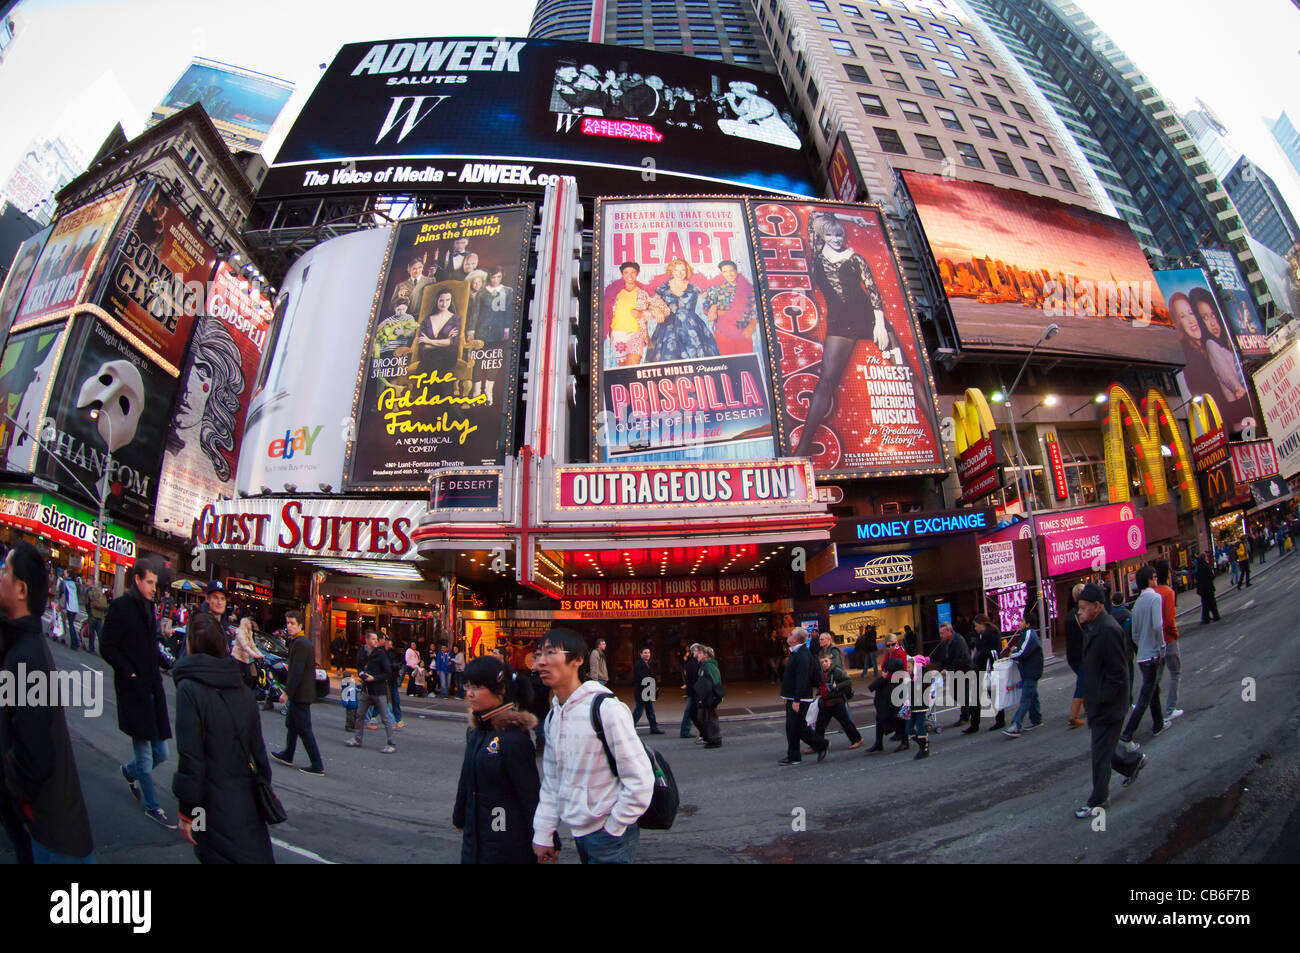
1221, 785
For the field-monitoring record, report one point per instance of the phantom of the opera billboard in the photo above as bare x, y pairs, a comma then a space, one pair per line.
500, 114
680, 342
856, 388
70, 257
207, 426
1210, 362
438, 377
1012, 263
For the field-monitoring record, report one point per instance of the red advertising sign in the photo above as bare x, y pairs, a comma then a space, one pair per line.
1210, 449
157, 280
1253, 460
981, 486
846, 180
662, 596
1094, 547
855, 383
655, 487
1058, 467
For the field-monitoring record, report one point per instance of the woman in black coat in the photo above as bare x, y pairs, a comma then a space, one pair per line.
217, 730
499, 772
887, 719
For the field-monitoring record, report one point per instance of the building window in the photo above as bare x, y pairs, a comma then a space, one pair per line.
963, 95
872, 104
1022, 112
912, 111
976, 75
948, 118
896, 36
1041, 142
1014, 136
982, 127
814, 93
863, 30
825, 122
829, 24
890, 141
968, 154
931, 148
967, 37
1002, 83
879, 54
1064, 179
941, 30
957, 51
1035, 171
944, 67
842, 47
980, 55
914, 23
929, 86
856, 73
912, 60
925, 43
819, 6
882, 16
850, 9
1004, 163
893, 80
995, 104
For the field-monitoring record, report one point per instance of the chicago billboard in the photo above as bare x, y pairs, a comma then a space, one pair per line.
207, 425
464, 113
1210, 362
437, 384
1012, 263
70, 257
1243, 319
243, 105
19, 273
855, 387
300, 415
680, 343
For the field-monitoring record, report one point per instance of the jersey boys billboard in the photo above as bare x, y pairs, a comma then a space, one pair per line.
679, 345
856, 389
440, 368
478, 114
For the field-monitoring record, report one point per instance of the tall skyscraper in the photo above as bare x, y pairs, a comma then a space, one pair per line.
1211, 138
1176, 192
722, 30
1287, 138
1261, 206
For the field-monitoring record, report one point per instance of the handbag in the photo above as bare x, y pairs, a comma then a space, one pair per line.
264, 796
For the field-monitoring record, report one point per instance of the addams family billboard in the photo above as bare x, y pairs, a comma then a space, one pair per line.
470, 114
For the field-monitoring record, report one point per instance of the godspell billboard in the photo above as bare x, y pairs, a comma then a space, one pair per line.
473, 113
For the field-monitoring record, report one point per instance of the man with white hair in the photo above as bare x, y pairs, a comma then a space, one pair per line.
798, 688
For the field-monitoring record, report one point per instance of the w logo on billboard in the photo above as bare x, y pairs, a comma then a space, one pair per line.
415, 113
564, 122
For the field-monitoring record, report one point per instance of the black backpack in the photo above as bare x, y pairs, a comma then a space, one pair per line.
661, 813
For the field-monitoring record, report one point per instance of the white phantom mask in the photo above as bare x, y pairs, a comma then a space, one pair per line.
117, 392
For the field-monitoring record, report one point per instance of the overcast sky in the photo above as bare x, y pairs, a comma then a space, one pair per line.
78, 66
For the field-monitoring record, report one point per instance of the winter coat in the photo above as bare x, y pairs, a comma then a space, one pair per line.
1204, 579
41, 784
378, 666
690, 673
951, 656
597, 667
883, 689
799, 683
990, 646
1073, 641
1105, 669
130, 645
216, 722
302, 671
643, 677
706, 680
499, 771
838, 685
1028, 653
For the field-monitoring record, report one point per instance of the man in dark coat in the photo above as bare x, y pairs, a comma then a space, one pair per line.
301, 692
647, 690
130, 645
987, 648
1106, 692
43, 806
374, 679
952, 657
218, 730
798, 688
1205, 589
864, 649
690, 672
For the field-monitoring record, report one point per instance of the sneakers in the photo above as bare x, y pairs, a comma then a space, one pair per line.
700, 741
1032, 725
282, 758
352, 743
372, 727
787, 762
387, 749
1172, 714
400, 724
1012, 732
160, 818
1134, 776
1086, 811
314, 772
1129, 746
1160, 730
131, 782
856, 744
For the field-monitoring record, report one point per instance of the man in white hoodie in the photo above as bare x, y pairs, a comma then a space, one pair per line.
600, 806
1149, 634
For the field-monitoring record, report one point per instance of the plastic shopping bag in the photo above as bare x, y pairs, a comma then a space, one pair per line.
811, 716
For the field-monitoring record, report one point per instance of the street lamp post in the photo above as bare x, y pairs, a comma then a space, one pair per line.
101, 498
1023, 465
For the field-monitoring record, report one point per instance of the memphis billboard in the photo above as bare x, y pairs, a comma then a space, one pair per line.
476, 114
242, 105
1011, 264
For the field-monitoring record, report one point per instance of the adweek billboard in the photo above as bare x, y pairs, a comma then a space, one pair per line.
1210, 362
20, 272
206, 430
855, 387
243, 105
478, 113
1012, 263
437, 384
680, 343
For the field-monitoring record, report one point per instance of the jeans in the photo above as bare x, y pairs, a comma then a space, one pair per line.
1078, 683
649, 708
1245, 573
1028, 704
688, 718
380, 703
141, 768
43, 855
1236, 573
297, 725
1174, 663
74, 640
394, 704
599, 847
93, 632
916, 723
1148, 697
444, 681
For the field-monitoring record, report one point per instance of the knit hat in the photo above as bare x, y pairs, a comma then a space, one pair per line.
1092, 593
